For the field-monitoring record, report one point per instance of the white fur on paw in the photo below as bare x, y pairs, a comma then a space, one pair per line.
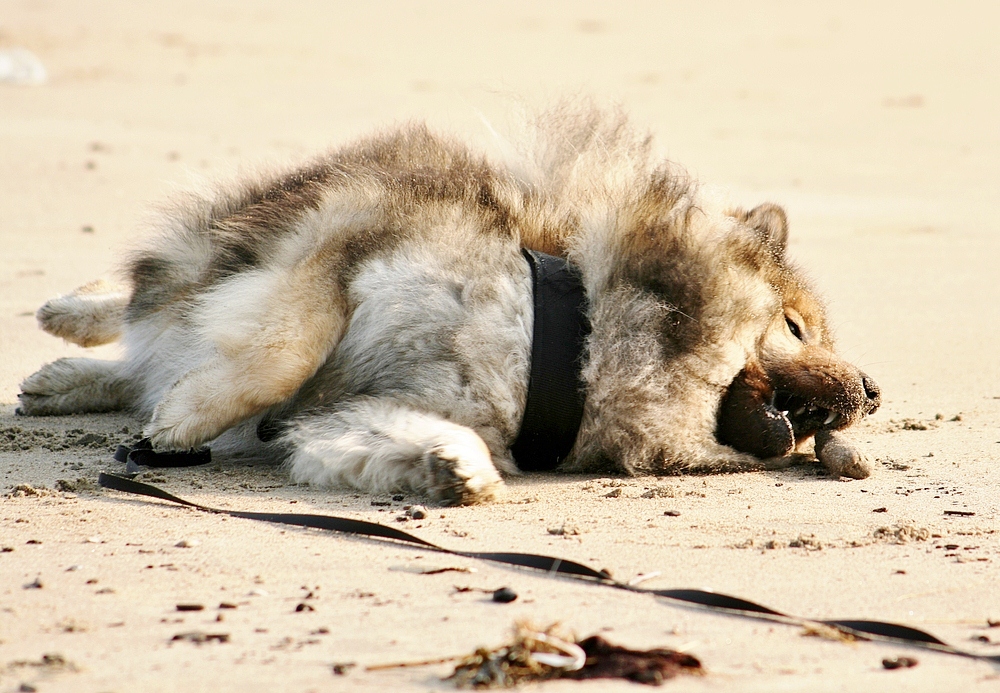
841, 456
66, 386
177, 426
56, 378
462, 473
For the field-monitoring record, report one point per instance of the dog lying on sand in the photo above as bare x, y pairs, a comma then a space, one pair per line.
372, 312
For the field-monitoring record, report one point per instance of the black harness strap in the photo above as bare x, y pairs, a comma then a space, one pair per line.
554, 407
863, 630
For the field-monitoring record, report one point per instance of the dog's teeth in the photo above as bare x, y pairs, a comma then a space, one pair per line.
831, 418
800, 411
784, 413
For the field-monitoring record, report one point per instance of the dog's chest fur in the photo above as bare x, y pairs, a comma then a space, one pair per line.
444, 327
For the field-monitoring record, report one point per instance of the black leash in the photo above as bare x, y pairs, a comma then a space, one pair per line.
863, 630
142, 454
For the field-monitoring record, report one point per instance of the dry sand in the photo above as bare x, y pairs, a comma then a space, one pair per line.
874, 124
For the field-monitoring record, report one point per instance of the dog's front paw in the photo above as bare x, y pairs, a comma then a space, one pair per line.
841, 456
461, 474
176, 427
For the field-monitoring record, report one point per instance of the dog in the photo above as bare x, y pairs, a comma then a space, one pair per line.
373, 310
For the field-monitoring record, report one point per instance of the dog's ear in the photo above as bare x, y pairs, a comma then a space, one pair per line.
770, 223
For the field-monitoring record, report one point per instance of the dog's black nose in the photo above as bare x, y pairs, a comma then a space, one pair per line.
873, 393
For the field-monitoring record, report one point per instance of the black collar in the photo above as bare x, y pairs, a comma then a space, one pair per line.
554, 406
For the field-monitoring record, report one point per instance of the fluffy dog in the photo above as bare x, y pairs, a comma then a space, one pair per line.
374, 308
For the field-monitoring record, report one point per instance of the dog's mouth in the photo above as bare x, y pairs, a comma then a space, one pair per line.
804, 416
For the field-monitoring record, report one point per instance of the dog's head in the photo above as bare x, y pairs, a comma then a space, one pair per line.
795, 384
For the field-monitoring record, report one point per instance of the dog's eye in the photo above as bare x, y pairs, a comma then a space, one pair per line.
794, 329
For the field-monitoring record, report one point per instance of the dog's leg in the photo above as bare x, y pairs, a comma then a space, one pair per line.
74, 386
92, 315
269, 332
381, 446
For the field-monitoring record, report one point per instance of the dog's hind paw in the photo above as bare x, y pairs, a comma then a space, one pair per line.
460, 476
72, 386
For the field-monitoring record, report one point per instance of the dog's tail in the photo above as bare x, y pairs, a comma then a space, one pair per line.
92, 315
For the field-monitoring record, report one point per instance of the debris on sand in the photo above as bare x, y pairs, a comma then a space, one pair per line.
902, 534
25, 490
75, 485
659, 492
52, 661
197, 637
805, 541
538, 655
18, 438
813, 629
899, 663
567, 529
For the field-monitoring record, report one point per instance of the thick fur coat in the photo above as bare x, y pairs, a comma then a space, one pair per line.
373, 309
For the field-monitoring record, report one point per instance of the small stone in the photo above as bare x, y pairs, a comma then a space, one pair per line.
190, 607
504, 595
899, 662
341, 668
35, 584
198, 637
417, 512
187, 543
672, 513
613, 493
398, 497
302, 606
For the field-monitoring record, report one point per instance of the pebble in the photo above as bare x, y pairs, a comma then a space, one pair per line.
187, 543
190, 607
417, 512
672, 513
504, 595
899, 663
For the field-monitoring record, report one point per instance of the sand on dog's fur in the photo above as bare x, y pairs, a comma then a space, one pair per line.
875, 135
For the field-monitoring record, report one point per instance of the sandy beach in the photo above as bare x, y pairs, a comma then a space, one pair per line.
874, 125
